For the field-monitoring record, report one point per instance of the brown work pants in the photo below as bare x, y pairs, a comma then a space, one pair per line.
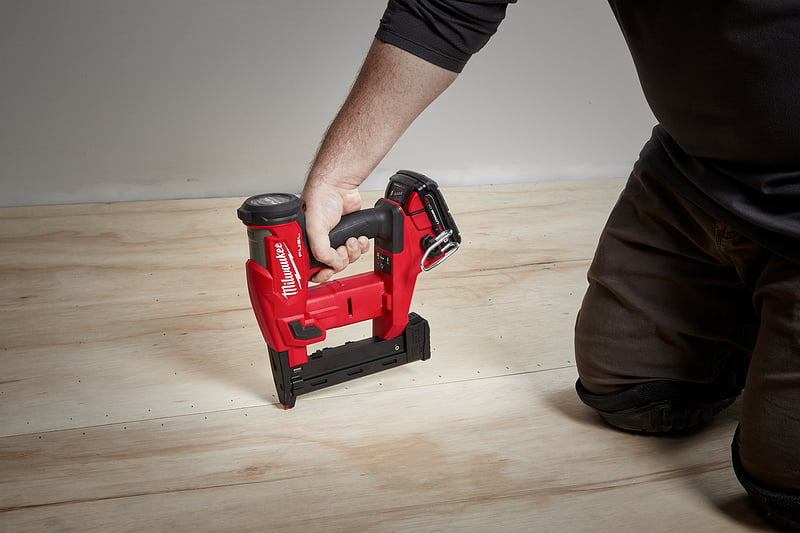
672, 294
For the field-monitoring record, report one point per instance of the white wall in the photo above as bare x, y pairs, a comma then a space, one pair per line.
105, 100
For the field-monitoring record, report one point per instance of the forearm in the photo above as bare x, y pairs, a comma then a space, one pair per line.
391, 90
432, 41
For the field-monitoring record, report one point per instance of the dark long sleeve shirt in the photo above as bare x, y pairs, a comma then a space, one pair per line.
721, 77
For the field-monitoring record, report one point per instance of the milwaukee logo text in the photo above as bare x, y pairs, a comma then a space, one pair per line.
290, 275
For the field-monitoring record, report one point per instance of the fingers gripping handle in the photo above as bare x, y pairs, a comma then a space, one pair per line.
373, 223
265, 212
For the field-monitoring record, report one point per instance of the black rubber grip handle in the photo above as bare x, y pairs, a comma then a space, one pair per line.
375, 222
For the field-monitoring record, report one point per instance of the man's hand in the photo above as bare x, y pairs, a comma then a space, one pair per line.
326, 205
391, 90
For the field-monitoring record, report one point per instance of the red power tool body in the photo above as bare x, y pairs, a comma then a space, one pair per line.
413, 231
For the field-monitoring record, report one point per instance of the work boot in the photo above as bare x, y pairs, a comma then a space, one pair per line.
781, 508
667, 406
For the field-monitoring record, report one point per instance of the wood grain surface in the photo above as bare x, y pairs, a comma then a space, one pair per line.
135, 392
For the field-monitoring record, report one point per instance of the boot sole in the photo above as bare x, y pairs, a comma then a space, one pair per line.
664, 416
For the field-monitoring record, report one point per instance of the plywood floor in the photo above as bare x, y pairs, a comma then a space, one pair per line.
135, 393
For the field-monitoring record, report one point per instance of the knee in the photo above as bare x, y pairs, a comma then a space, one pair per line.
779, 502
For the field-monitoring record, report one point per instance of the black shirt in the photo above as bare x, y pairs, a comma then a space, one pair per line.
721, 76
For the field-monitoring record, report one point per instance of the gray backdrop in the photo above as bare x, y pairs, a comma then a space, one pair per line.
106, 100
